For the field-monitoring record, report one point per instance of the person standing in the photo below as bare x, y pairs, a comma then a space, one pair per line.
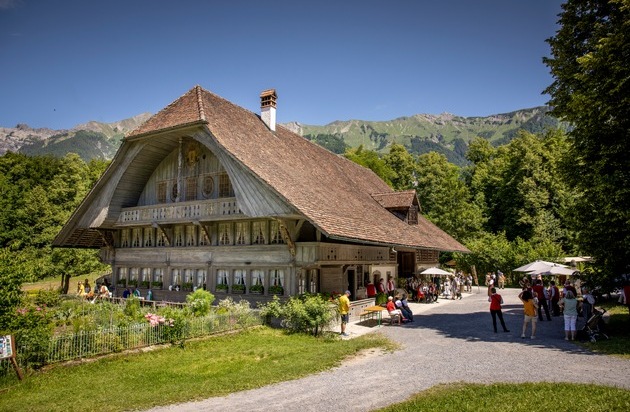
539, 290
554, 298
501, 280
391, 286
495, 310
569, 306
344, 309
529, 310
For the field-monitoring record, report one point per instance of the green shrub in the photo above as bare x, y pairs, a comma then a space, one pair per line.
308, 313
49, 298
200, 302
32, 329
132, 308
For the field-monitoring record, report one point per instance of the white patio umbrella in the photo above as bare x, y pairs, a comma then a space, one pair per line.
435, 271
554, 270
539, 265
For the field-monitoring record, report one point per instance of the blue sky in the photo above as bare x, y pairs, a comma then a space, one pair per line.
66, 62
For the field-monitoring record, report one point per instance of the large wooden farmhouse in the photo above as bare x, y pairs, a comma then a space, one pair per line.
206, 194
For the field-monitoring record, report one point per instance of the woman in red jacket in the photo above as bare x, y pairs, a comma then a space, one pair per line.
495, 309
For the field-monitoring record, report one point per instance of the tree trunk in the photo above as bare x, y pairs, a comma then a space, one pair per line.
65, 284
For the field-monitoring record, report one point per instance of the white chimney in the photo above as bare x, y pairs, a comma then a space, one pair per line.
268, 108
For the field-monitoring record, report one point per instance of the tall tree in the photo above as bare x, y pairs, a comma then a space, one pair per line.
591, 90
402, 163
444, 197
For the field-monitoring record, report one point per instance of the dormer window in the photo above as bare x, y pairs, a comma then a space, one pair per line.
412, 215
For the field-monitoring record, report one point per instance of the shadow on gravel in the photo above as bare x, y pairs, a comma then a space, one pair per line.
477, 326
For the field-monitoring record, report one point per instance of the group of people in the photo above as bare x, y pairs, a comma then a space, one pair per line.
84, 290
135, 292
398, 309
537, 299
495, 280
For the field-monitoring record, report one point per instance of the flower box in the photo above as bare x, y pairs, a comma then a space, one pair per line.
276, 290
238, 288
222, 288
257, 289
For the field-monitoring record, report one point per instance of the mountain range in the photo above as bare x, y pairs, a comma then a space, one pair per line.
445, 133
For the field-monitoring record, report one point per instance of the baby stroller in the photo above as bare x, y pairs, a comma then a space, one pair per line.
593, 329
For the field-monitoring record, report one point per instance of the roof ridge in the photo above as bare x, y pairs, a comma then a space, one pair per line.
202, 112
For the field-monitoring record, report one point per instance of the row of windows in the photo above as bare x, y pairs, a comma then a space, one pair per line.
245, 280
194, 188
223, 234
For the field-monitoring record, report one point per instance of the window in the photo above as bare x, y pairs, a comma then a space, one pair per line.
239, 276
149, 237
412, 215
225, 234
176, 278
122, 275
242, 233
276, 236
161, 192
145, 277
276, 277
222, 277
189, 277
208, 187
179, 236
258, 277
225, 186
161, 239
301, 282
201, 278
191, 236
124, 238
158, 275
136, 235
174, 191
259, 230
133, 275
203, 237
191, 188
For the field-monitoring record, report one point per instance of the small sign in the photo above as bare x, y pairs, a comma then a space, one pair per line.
7, 351
6, 348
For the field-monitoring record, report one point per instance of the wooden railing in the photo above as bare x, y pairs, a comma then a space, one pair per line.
184, 211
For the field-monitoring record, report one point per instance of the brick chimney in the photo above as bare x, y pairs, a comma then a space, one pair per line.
268, 108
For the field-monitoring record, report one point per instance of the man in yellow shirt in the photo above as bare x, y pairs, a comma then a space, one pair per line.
344, 309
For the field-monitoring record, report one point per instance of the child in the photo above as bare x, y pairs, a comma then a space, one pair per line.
530, 309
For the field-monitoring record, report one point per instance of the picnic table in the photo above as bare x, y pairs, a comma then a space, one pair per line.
372, 311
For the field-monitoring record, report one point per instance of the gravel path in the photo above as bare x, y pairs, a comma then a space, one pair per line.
449, 341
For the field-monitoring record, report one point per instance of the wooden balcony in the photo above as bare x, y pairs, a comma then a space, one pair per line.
180, 212
330, 252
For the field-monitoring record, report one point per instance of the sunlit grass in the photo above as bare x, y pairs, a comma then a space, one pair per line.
202, 369
523, 397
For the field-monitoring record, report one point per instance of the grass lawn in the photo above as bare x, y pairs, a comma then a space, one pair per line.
524, 397
202, 369
618, 328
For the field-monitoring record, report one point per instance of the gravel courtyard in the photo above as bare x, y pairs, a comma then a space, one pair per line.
449, 341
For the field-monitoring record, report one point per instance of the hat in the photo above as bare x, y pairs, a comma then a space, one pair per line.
390, 298
348, 292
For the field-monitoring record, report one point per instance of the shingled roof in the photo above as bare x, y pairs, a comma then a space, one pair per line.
334, 194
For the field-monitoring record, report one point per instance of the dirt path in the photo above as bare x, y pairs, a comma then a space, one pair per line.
449, 342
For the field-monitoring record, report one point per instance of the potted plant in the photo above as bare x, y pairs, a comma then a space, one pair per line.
188, 285
157, 285
276, 290
145, 284
256, 289
238, 288
222, 287
132, 282
121, 283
